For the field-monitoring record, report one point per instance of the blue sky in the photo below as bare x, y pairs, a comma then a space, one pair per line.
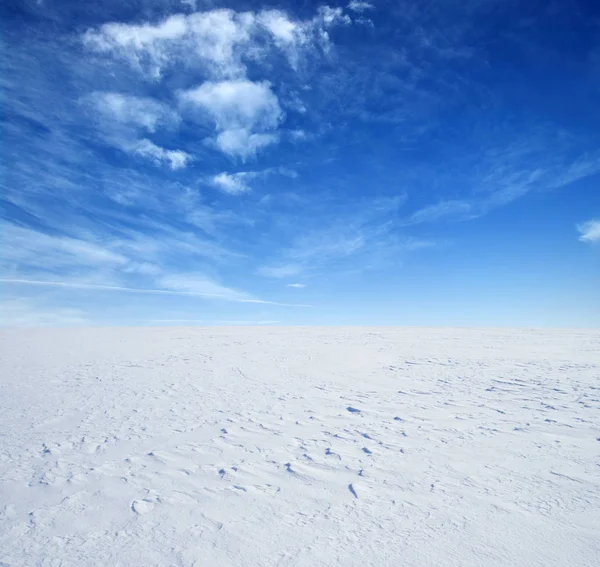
371, 163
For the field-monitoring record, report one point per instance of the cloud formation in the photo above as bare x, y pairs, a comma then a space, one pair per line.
176, 159
240, 182
358, 6
217, 45
244, 113
182, 155
144, 113
589, 231
21, 312
220, 41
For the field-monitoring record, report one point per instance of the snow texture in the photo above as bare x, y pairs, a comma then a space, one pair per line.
299, 446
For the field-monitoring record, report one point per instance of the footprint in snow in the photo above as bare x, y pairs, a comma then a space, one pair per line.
352, 410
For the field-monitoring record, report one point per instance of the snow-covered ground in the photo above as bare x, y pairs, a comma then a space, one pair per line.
299, 446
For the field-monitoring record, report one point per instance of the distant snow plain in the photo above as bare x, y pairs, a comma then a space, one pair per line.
299, 447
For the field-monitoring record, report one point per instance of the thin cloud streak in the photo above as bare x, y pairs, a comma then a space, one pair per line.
99, 287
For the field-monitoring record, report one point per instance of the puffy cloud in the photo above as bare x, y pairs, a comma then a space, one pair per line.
237, 104
219, 40
242, 143
176, 159
147, 46
280, 26
244, 114
219, 43
233, 183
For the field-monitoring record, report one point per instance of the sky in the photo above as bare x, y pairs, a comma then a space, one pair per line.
406, 162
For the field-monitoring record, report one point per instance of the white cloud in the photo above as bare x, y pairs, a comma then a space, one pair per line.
28, 247
589, 231
280, 270
281, 27
122, 258
243, 144
232, 183
236, 183
143, 268
363, 236
213, 322
218, 40
221, 43
237, 104
123, 120
176, 159
443, 209
296, 285
19, 312
144, 45
328, 16
142, 112
190, 285
199, 284
358, 6
337, 241
297, 135
244, 113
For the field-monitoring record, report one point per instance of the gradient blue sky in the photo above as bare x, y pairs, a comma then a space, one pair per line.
386, 162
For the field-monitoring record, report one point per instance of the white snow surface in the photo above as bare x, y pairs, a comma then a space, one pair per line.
299, 446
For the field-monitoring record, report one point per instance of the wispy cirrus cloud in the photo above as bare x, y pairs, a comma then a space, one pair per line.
190, 285
199, 284
38, 250
506, 174
455, 209
589, 231
358, 6
363, 239
227, 322
280, 270
21, 312
124, 145
138, 112
134, 262
124, 121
